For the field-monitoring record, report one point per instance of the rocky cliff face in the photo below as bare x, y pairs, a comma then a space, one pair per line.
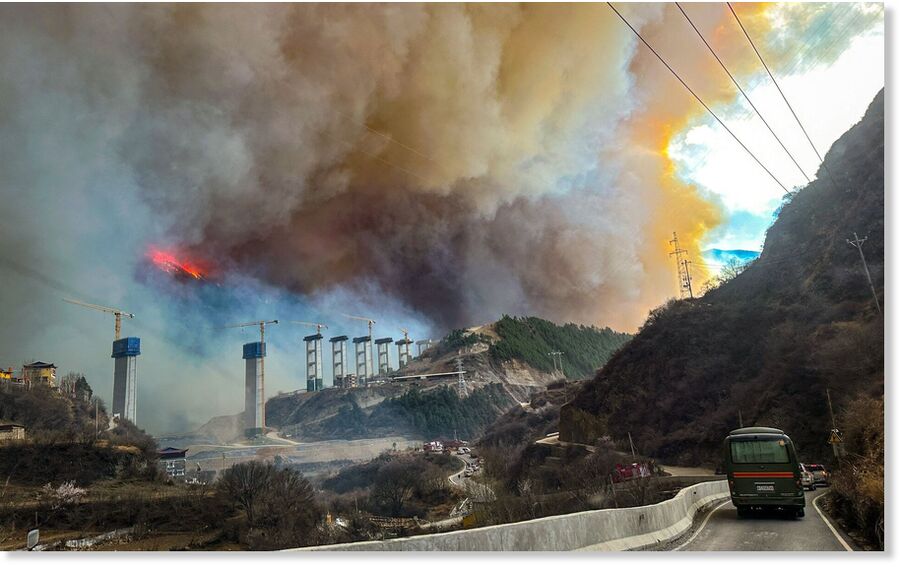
361, 412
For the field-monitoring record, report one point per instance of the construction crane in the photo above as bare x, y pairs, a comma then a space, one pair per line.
117, 312
403, 355
366, 319
318, 326
262, 327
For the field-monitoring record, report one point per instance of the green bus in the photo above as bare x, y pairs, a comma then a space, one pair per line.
763, 471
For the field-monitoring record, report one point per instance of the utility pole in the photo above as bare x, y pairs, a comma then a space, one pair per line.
857, 243
830, 410
632, 445
835, 439
740, 419
684, 272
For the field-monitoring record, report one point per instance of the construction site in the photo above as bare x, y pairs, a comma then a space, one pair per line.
391, 359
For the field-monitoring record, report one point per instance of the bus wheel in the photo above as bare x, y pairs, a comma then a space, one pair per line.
800, 512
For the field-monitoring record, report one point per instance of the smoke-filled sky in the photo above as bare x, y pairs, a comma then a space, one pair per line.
429, 166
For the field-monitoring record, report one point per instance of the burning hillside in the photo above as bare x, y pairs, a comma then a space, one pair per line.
177, 265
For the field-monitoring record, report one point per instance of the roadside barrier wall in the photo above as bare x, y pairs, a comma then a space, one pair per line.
595, 530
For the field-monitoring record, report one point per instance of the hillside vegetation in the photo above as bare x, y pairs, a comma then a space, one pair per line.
529, 339
505, 362
63, 443
394, 484
442, 413
768, 343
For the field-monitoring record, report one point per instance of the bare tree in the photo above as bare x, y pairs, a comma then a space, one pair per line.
244, 484
394, 485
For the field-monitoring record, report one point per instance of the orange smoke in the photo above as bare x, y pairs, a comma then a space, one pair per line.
668, 110
465, 160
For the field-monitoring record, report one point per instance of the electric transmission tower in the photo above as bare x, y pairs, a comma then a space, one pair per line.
461, 382
857, 243
684, 270
557, 360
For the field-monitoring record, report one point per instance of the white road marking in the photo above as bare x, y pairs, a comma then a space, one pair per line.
827, 523
702, 525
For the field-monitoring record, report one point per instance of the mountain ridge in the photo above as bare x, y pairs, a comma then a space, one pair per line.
764, 347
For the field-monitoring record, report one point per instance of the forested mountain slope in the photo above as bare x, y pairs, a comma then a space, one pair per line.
799, 320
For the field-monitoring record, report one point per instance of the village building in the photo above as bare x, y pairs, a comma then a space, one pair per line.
39, 372
173, 462
11, 432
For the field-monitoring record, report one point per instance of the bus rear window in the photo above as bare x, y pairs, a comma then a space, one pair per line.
759, 451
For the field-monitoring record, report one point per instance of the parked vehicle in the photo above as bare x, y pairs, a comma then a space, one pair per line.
630, 471
763, 471
806, 478
820, 474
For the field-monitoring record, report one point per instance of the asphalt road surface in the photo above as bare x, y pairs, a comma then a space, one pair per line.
722, 530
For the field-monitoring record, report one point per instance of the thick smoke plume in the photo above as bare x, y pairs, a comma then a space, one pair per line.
447, 162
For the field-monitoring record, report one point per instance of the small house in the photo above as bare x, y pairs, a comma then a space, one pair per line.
173, 461
11, 432
39, 372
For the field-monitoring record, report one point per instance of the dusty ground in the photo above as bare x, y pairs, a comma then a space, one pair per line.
217, 457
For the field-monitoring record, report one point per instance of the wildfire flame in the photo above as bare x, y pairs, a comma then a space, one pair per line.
168, 262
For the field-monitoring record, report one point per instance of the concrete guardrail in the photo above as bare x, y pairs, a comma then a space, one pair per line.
595, 530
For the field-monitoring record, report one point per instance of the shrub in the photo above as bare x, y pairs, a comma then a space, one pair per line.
278, 504
858, 484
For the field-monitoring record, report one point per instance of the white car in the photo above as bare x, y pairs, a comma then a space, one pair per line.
807, 480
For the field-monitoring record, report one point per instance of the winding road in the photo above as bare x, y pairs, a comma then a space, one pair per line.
721, 530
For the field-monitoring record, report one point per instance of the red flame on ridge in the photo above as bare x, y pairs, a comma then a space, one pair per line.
168, 262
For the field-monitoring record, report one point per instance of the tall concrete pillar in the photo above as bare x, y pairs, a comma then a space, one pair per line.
423, 345
339, 358
384, 357
254, 389
125, 352
313, 362
403, 352
364, 369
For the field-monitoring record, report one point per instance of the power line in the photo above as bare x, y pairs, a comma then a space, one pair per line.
696, 96
783, 96
820, 29
739, 88
814, 31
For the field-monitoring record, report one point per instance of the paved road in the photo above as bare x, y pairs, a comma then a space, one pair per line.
457, 477
722, 530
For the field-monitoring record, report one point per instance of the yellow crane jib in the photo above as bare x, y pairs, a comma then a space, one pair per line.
117, 312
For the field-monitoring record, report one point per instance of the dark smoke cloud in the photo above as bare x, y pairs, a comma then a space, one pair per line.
429, 165
338, 145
